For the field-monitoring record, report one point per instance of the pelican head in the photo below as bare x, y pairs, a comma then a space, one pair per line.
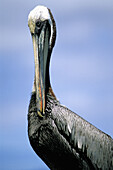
43, 30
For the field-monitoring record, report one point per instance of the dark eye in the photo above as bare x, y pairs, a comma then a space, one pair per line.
38, 27
38, 24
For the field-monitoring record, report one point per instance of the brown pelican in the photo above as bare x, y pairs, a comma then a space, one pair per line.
61, 138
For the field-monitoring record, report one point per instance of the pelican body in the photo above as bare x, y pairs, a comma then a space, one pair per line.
61, 138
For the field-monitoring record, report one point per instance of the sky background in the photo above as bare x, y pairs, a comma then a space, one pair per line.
81, 70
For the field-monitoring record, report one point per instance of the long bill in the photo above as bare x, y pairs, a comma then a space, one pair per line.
41, 47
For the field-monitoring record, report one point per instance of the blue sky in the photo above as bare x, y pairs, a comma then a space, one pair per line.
81, 70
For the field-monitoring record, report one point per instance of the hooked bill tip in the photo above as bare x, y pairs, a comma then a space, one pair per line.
40, 114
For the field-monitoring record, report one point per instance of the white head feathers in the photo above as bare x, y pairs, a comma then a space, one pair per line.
41, 13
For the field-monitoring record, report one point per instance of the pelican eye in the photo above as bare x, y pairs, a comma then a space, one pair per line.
41, 24
38, 24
